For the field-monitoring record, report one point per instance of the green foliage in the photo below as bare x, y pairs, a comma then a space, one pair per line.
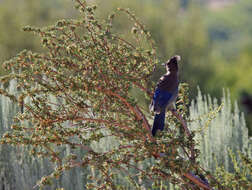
175, 31
230, 33
79, 92
19, 168
219, 128
214, 43
231, 25
15, 14
24, 171
80, 86
241, 177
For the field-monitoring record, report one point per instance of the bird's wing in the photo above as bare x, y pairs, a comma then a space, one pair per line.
160, 100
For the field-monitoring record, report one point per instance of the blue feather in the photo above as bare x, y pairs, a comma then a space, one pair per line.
159, 121
161, 99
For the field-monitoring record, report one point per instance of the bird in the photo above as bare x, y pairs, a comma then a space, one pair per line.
165, 93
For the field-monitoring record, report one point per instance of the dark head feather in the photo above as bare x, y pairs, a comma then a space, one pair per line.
172, 63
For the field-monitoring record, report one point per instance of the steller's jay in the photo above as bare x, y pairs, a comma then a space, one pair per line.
165, 93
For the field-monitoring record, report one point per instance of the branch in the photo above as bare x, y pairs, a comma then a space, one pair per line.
137, 112
175, 113
187, 175
188, 133
197, 181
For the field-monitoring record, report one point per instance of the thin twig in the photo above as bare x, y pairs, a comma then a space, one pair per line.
188, 133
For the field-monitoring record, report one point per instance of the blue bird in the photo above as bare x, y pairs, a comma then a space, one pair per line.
165, 93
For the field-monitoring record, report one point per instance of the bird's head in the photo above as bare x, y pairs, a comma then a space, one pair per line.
172, 64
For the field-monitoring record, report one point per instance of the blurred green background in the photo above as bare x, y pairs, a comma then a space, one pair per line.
214, 37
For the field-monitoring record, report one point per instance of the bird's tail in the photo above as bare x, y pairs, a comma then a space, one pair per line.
158, 123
